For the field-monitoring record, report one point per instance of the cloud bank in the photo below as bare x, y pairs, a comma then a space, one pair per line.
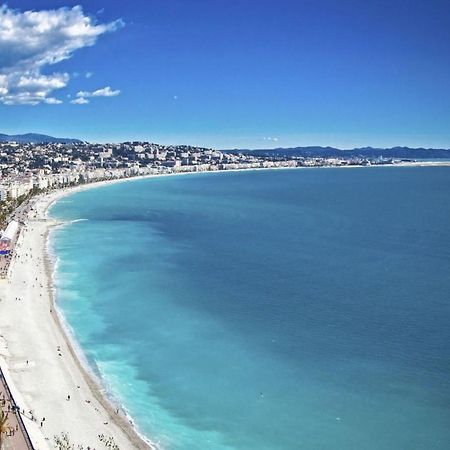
31, 41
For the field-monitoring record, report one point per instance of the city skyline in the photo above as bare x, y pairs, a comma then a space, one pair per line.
242, 75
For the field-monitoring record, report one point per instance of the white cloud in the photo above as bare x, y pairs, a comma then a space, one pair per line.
3, 85
104, 92
53, 101
42, 82
88, 74
31, 41
273, 139
79, 101
23, 98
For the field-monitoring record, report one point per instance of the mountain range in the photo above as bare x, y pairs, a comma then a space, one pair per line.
363, 152
35, 138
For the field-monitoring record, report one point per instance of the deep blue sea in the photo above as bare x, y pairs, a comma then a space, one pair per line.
267, 310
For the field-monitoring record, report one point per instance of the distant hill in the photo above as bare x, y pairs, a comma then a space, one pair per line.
35, 138
364, 152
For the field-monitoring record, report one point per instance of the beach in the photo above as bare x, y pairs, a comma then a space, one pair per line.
43, 370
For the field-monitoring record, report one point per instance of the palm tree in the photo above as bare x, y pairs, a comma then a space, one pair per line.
3, 422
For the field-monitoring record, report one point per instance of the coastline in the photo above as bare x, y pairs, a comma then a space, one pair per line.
39, 355
40, 378
123, 421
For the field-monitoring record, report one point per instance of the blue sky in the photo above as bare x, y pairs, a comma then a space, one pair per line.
227, 74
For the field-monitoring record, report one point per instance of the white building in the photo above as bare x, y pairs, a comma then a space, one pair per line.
3, 193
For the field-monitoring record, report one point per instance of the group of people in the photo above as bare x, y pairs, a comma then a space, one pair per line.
108, 441
8, 407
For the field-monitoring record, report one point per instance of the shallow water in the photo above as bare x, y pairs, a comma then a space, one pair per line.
293, 309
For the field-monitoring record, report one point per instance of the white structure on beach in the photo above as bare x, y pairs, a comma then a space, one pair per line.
11, 230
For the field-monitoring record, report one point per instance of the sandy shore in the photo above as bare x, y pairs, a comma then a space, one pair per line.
41, 364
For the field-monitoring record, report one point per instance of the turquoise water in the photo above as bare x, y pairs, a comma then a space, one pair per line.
294, 309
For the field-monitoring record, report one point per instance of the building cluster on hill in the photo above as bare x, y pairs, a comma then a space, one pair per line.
28, 167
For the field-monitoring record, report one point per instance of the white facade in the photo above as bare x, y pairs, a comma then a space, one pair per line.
18, 188
3, 193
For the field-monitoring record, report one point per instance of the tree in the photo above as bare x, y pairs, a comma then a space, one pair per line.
3, 427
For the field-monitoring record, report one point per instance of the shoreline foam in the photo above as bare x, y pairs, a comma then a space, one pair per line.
93, 380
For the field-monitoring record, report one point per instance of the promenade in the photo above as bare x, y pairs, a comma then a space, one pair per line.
15, 436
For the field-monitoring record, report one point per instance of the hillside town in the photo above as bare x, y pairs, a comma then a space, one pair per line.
38, 167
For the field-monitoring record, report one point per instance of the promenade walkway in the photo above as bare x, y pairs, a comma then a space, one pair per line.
16, 436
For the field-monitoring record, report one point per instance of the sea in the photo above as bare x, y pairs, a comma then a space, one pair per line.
266, 310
